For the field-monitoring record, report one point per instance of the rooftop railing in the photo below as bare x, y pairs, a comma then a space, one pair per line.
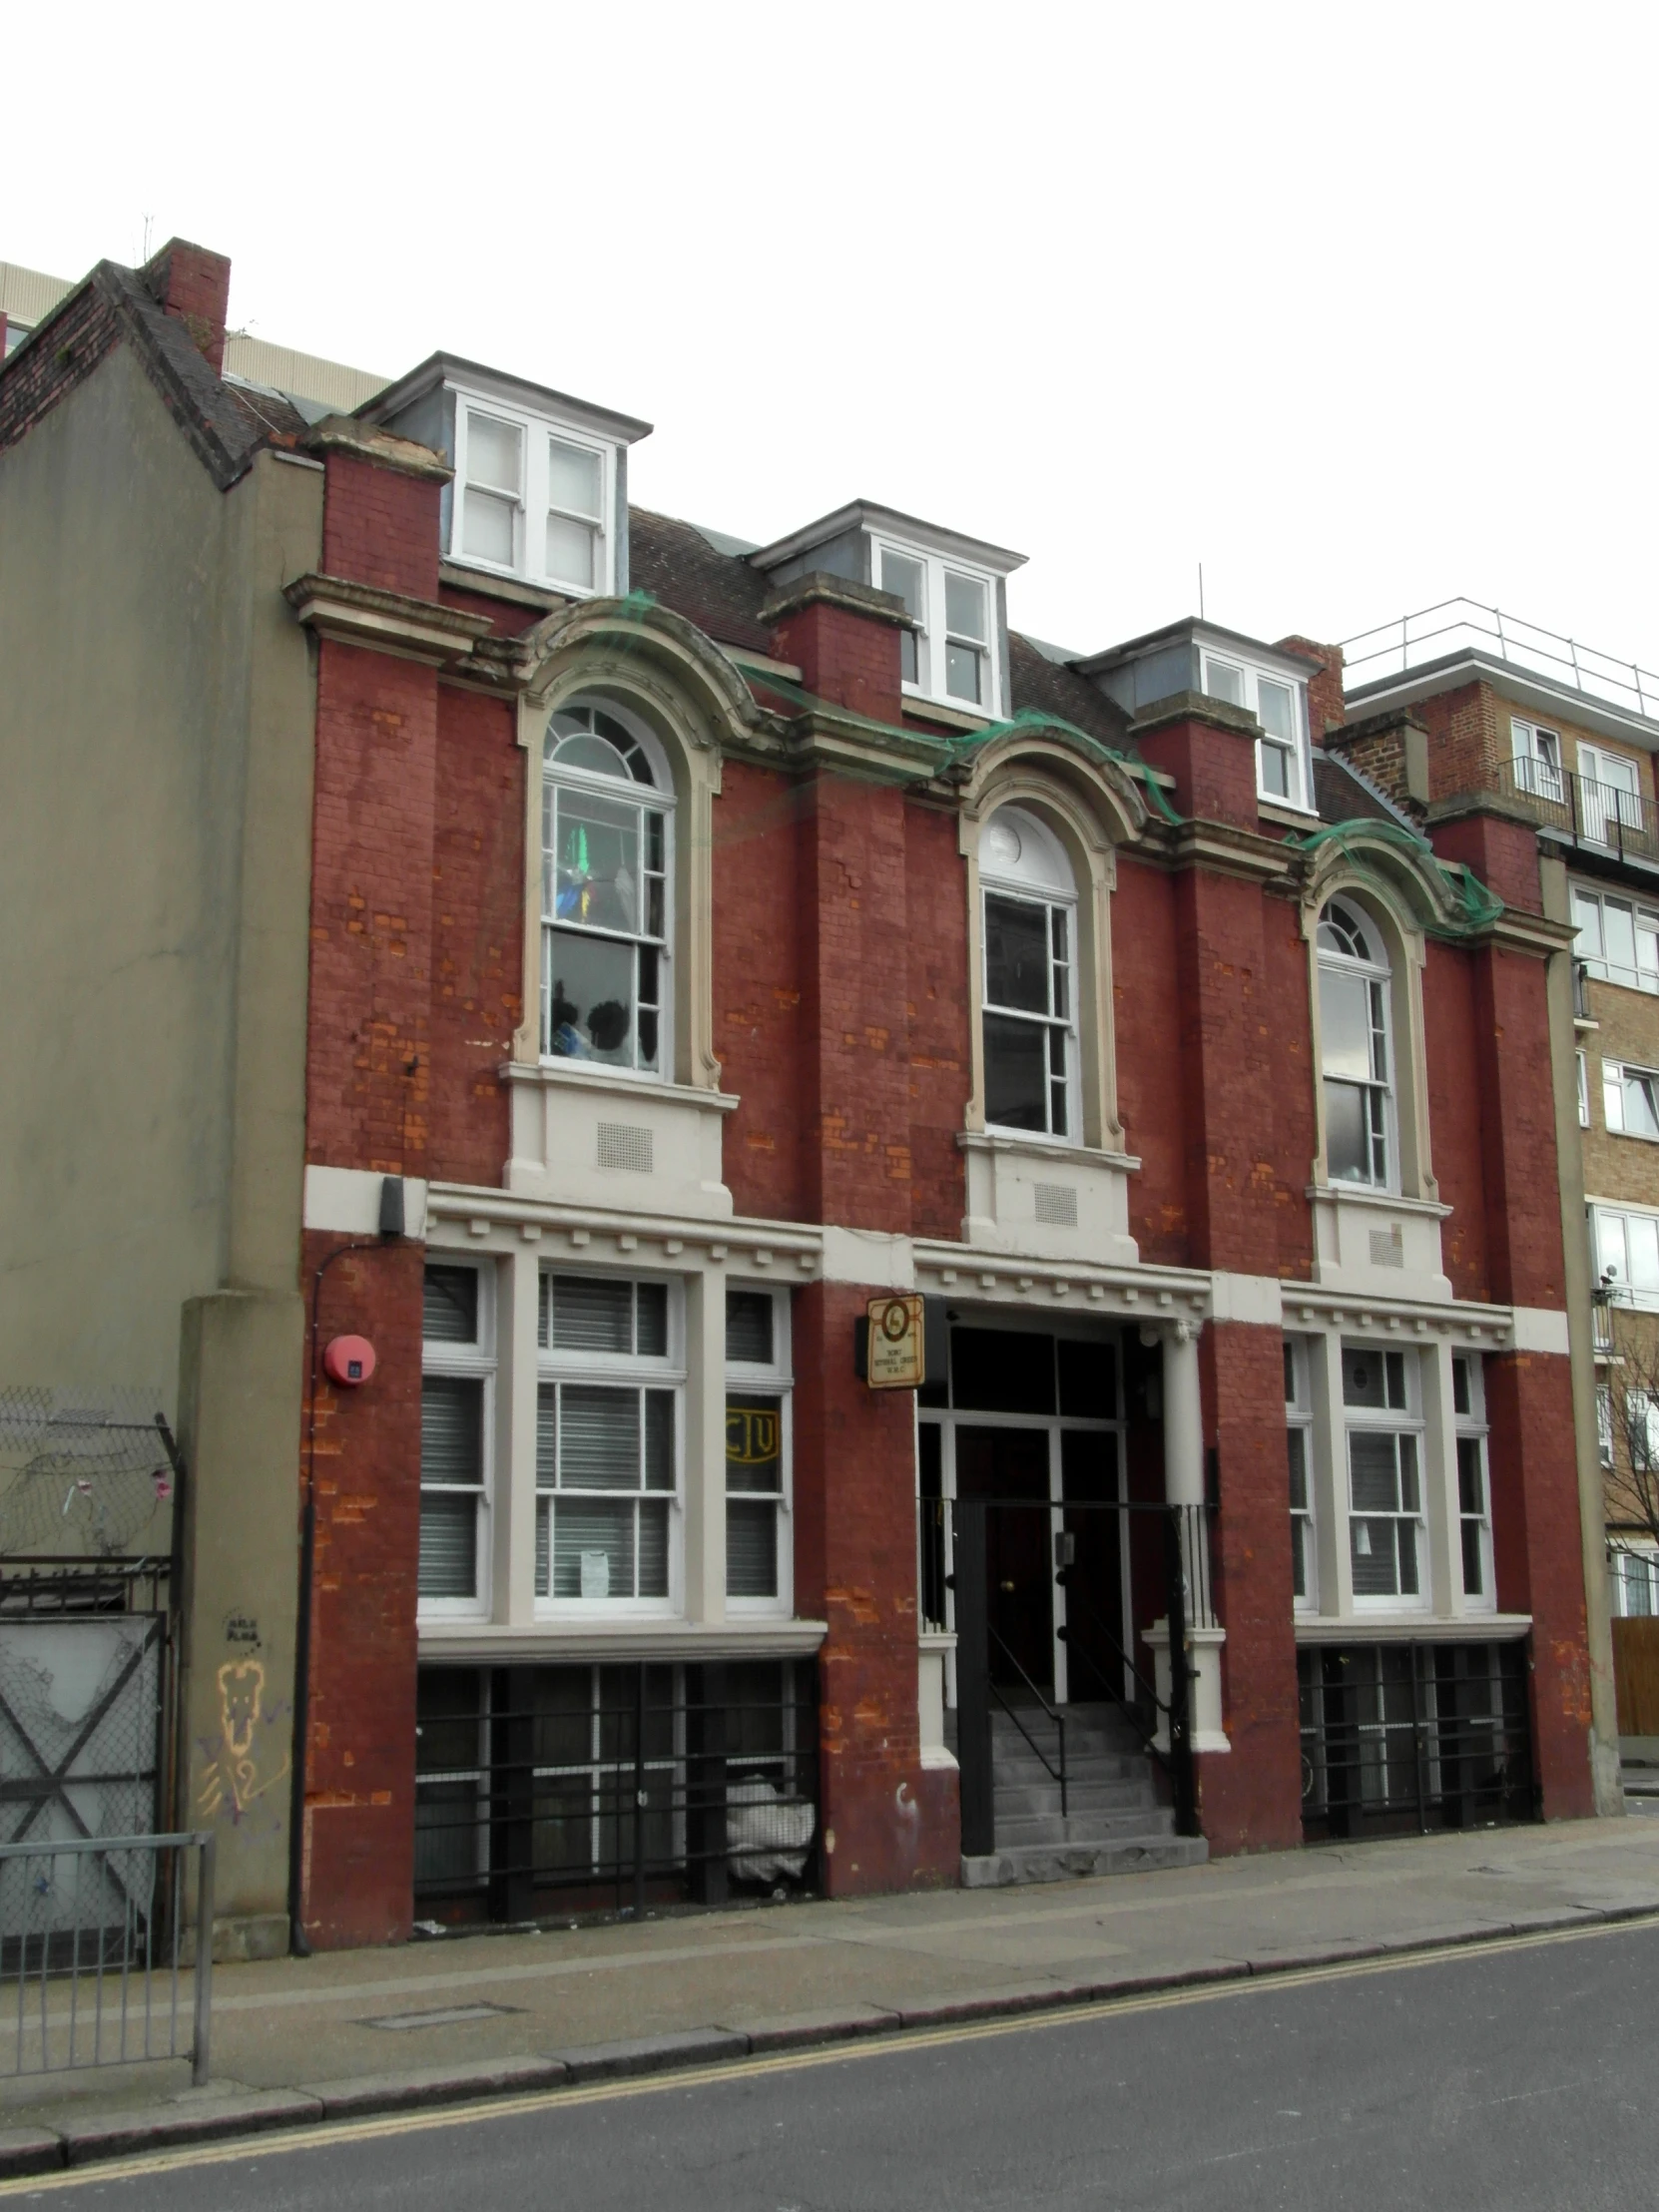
1461, 625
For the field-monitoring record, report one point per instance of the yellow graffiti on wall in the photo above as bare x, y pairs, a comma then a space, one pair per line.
233, 1779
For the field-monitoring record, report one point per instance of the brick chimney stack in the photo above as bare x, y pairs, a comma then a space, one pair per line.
195, 286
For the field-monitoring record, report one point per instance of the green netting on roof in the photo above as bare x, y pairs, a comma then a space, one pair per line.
1478, 907
1030, 721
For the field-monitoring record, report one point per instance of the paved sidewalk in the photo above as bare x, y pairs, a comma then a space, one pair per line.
297, 2040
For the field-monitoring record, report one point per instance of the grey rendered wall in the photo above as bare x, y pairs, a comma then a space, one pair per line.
157, 717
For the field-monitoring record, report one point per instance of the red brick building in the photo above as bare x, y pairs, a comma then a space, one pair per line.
702, 942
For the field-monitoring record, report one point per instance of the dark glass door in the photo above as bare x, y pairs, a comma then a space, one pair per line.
1095, 1641
1013, 1464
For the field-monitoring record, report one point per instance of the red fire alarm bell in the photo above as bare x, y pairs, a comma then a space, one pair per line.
348, 1360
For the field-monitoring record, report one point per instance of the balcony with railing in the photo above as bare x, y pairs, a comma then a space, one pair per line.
1598, 817
1455, 626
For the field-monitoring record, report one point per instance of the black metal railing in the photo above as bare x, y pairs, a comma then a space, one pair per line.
954, 1532
1055, 1773
1586, 812
1404, 1737
541, 1790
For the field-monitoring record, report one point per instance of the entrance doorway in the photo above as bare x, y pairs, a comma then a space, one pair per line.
1031, 1421
1009, 1464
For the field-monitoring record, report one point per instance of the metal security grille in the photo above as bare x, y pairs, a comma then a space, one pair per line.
1410, 1736
546, 1790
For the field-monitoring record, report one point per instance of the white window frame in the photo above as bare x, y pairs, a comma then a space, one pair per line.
624, 1369
932, 633
1610, 1249
1472, 1429
1604, 1423
1644, 923
1583, 1062
1377, 978
534, 504
1398, 1421
1539, 759
468, 1362
1298, 756
1619, 1078
1052, 900
1642, 1406
775, 1378
1298, 1430
1604, 799
657, 798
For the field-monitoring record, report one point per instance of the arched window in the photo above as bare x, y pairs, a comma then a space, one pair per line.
607, 897
1030, 984
1356, 1049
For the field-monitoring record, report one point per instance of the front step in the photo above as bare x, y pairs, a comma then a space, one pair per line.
1019, 1863
1113, 1823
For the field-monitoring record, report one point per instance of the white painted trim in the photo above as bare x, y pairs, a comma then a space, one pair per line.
1541, 1328
1246, 1297
346, 1202
623, 1639
1419, 1628
870, 1256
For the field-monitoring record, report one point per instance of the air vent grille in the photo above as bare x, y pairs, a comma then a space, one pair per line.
1056, 1205
622, 1145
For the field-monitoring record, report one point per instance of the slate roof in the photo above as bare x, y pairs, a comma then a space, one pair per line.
678, 565
224, 423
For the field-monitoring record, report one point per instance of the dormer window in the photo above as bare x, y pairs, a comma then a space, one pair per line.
948, 655
1279, 705
531, 501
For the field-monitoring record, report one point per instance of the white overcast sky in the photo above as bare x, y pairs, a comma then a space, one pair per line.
1352, 305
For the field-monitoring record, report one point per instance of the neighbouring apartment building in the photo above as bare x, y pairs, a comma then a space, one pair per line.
516, 983
1566, 738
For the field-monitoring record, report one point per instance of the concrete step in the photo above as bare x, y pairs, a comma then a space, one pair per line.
1083, 1827
1141, 1853
1031, 1775
1033, 1802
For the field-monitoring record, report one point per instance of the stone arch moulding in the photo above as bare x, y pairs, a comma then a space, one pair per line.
1092, 806
1403, 902
658, 668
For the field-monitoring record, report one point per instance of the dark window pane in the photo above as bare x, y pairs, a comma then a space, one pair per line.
1088, 1469
659, 1439
547, 1435
1363, 1377
1471, 1497
1088, 1380
448, 1545
750, 1549
907, 655
652, 1320
1276, 771
447, 1715
593, 1548
593, 1313
1016, 954
599, 1438
451, 1430
1461, 1386
654, 1548
1471, 1559
1016, 1080
591, 1015
1002, 1372
1346, 1134
451, 1305
754, 1444
749, 1326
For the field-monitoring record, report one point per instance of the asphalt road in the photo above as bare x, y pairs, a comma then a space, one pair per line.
1512, 2077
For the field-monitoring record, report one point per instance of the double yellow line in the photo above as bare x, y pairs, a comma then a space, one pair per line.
900, 2043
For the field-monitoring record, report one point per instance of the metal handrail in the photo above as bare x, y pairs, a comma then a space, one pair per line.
1059, 1775
1141, 1683
1526, 645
